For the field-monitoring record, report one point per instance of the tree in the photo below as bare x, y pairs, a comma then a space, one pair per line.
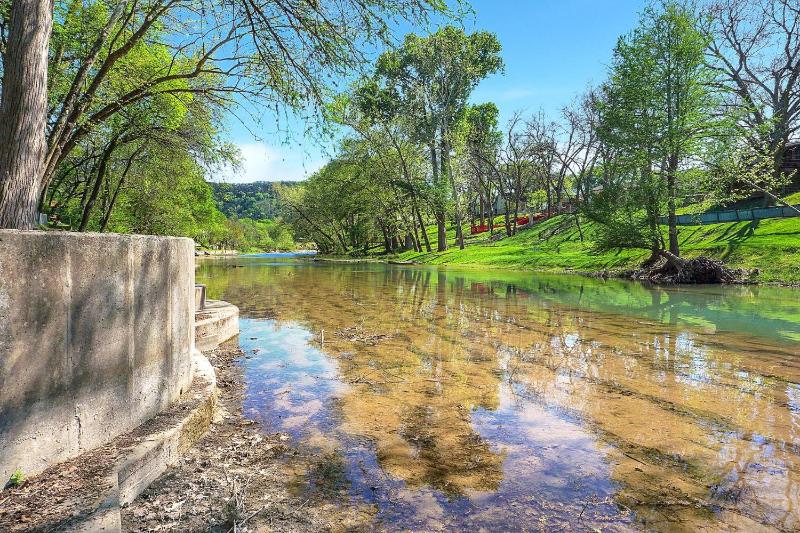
342, 226
434, 77
542, 156
754, 48
258, 200
170, 197
658, 110
735, 169
373, 112
525, 157
578, 150
269, 53
23, 111
133, 148
482, 144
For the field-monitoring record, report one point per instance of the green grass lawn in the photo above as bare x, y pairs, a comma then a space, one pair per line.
772, 246
793, 199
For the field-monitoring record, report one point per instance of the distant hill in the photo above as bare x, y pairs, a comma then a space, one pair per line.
257, 200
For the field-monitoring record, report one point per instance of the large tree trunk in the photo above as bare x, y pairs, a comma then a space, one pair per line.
23, 112
422, 228
456, 208
441, 232
439, 213
677, 262
672, 219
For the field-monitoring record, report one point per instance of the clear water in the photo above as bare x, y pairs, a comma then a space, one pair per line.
469, 400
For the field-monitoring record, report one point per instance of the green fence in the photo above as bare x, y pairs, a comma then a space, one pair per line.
736, 215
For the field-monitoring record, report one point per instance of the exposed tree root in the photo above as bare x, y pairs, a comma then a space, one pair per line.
671, 269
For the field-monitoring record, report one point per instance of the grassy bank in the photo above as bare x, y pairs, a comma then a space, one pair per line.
772, 246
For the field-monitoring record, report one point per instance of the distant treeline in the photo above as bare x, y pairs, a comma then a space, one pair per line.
258, 200
254, 216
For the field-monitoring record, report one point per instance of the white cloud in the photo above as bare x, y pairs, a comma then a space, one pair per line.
262, 162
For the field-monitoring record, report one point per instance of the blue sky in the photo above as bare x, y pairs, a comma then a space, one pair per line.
553, 49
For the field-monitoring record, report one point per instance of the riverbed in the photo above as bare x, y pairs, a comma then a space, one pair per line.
466, 399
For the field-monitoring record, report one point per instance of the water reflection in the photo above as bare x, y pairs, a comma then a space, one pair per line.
467, 399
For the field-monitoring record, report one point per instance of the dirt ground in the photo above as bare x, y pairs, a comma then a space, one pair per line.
237, 478
63, 495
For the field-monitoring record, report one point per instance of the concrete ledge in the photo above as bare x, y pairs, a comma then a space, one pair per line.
96, 338
86, 493
215, 324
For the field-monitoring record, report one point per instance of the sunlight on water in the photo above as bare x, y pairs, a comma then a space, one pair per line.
452, 399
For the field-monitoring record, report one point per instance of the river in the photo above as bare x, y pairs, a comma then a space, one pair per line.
468, 400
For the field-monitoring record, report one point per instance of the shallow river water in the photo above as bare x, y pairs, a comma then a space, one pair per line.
470, 400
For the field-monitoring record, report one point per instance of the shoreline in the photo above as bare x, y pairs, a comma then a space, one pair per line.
236, 253
239, 473
561, 245
620, 274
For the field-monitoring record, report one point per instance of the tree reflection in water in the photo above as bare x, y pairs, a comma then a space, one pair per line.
468, 399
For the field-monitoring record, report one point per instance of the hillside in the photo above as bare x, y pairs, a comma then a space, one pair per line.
772, 246
257, 200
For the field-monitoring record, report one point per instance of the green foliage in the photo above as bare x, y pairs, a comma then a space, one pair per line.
656, 115
736, 170
16, 479
433, 77
248, 235
481, 121
537, 198
137, 92
170, 197
258, 200
555, 245
141, 170
626, 213
342, 206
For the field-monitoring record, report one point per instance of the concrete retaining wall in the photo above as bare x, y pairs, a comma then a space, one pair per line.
96, 336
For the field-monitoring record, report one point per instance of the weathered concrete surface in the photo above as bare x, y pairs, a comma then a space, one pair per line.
199, 297
96, 337
215, 324
85, 494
